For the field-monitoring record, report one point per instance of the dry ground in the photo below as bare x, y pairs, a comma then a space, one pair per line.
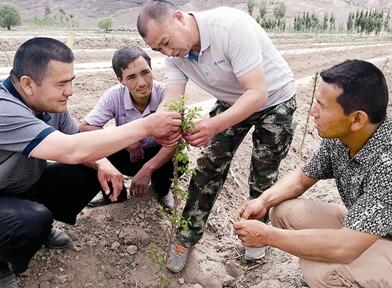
111, 242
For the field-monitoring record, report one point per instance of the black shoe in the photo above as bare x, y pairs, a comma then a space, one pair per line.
102, 199
20, 266
58, 239
7, 278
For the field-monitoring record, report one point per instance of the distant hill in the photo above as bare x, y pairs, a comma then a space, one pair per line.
124, 12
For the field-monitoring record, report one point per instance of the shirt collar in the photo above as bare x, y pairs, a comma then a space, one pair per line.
374, 146
203, 31
377, 144
151, 107
9, 85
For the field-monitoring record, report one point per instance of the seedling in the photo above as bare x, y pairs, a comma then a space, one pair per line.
181, 165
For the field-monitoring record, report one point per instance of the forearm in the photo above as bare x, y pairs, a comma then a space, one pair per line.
164, 155
325, 245
95, 164
90, 146
290, 186
84, 126
249, 102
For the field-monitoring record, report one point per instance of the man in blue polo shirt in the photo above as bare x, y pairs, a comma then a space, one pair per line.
136, 96
35, 126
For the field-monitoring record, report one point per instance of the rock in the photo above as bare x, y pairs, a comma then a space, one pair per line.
229, 282
132, 249
181, 281
205, 267
115, 246
197, 286
233, 268
134, 236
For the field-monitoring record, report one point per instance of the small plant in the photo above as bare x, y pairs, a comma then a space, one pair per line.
315, 81
181, 165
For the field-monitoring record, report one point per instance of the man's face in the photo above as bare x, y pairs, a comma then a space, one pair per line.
55, 89
328, 114
139, 79
171, 38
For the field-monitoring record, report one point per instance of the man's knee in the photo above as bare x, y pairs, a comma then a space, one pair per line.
43, 219
24, 226
323, 275
281, 214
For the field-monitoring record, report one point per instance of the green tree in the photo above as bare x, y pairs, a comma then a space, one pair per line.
250, 4
48, 19
386, 21
279, 10
262, 8
9, 16
350, 22
325, 22
332, 22
106, 24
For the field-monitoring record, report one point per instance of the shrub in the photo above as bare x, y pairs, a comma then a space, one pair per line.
106, 24
9, 16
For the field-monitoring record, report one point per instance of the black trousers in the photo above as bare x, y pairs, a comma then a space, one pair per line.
26, 219
160, 179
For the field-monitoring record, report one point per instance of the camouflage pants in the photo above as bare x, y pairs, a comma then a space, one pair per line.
272, 135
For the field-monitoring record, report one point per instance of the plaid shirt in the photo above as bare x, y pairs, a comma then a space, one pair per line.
364, 182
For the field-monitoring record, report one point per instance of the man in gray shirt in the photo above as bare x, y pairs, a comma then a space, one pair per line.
228, 54
35, 126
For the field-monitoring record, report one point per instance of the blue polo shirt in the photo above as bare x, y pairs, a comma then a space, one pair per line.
20, 132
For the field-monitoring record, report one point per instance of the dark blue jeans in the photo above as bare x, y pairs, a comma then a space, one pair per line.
26, 219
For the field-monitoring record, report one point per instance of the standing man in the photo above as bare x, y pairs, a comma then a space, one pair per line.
35, 126
229, 55
338, 246
136, 96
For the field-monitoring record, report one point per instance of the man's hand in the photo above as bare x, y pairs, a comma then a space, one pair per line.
202, 134
136, 152
252, 233
106, 173
164, 125
252, 209
140, 183
169, 140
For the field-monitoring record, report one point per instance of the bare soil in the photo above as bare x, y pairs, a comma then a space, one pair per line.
112, 241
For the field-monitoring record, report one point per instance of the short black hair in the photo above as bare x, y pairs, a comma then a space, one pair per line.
32, 57
126, 55
364, 88
153, 10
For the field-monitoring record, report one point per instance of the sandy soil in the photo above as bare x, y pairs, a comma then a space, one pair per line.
112, 242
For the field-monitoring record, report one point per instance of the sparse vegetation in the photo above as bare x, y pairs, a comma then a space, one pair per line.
62, 19
277, 22
9, 16
362, 21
